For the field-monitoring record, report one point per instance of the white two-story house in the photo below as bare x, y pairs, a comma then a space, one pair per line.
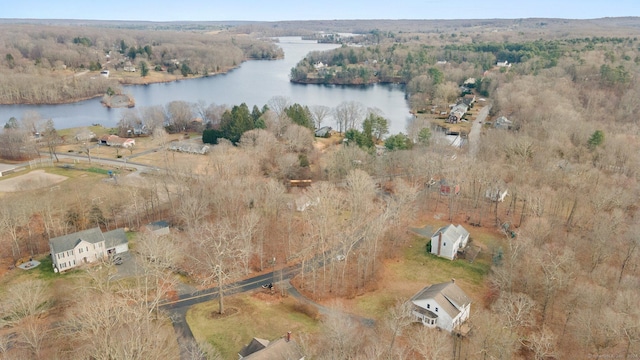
442, 305
71, 250
447, 240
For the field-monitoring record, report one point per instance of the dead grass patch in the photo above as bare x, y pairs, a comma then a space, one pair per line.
414, 269
36, 179
259, 315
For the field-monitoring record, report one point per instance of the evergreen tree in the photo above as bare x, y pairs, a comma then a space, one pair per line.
300, 115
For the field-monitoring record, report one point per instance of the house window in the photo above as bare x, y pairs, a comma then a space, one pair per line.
87, 248
444, 244
428, 306
80, 251
58, 255
436, 309
74, 262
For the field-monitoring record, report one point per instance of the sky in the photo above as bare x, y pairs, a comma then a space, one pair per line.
279, 10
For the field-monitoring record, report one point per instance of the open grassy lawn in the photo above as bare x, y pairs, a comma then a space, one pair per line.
405, 276
256, 315
70, 133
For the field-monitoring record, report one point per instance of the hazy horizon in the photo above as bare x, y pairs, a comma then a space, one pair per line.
288, 10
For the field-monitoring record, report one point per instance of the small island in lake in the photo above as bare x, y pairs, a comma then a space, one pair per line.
118, 101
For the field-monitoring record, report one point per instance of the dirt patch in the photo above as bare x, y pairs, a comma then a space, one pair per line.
33, 180
229, 311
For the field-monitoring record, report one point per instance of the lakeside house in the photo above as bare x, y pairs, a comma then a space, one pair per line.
323, 132
116, 141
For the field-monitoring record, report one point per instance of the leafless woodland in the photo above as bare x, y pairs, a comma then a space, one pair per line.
565, 287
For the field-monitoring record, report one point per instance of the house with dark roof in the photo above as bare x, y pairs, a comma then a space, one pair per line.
443, 305
283, 348
448, 240
457, 112
86, 246
324, 132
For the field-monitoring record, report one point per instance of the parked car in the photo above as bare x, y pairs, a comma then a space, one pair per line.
117, 260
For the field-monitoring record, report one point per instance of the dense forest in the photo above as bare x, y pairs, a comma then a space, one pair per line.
560, 278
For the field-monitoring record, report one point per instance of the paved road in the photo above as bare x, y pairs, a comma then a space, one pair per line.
187, 300
178, 308
123, 162
476, 127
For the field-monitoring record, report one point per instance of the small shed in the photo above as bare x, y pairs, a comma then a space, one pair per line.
158, 228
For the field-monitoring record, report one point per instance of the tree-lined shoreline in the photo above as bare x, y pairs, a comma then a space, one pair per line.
63, 64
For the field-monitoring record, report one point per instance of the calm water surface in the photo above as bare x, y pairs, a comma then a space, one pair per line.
254, 83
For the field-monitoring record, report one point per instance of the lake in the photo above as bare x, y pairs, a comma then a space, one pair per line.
254, 83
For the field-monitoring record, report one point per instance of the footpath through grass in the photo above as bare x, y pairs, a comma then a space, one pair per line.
251, 315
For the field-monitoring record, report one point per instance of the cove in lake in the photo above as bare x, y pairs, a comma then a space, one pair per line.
254, 83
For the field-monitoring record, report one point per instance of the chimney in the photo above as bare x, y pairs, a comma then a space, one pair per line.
439, 242
288, 336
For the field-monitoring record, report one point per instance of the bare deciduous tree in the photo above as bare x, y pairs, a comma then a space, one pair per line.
319, 113
431, 344
398, 318
179, 114
341, 336
32, 333
26, 299
216, 254
348, 115
109, 326
278, 104
153, 117
543, 344
517, 310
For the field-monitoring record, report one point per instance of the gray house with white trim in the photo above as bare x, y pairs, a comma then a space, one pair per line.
447, 240
86, 246
442, 305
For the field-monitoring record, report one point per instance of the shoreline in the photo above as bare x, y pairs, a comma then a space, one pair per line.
123, 81
320, 81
